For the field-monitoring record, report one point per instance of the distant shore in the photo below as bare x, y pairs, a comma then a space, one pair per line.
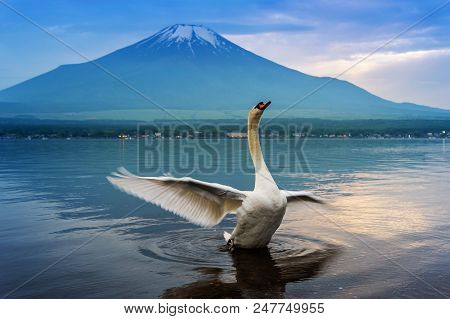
279, 128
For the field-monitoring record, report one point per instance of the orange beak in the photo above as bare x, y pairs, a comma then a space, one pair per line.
262, 105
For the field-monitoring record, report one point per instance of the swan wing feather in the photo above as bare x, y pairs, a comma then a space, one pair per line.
302, 196
201, 203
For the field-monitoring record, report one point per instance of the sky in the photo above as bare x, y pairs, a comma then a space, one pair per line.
321, 38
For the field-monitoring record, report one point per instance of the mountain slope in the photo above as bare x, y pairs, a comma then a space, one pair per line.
186, 67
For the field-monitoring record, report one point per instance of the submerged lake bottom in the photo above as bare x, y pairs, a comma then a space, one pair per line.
65, 232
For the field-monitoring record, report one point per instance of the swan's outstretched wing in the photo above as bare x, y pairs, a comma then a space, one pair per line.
301, 196
199, 202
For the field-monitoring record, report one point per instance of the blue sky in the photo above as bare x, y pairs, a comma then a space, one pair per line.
317, 37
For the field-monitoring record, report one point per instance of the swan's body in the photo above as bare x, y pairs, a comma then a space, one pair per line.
259, 213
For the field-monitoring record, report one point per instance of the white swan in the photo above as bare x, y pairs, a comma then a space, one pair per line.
259, 213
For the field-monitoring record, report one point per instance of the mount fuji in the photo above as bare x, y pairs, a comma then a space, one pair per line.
193, 72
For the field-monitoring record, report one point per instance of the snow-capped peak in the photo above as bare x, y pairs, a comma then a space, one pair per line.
196, 39
185, 32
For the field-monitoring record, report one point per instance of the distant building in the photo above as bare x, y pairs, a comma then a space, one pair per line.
237, 135
301, 135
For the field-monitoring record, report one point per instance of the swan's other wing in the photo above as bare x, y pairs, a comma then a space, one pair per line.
301, 196
199, 202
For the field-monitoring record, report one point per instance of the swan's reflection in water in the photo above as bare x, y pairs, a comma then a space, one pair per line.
259, 273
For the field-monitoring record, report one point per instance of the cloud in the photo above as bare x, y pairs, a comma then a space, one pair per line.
58, 29
416, 76
400, 72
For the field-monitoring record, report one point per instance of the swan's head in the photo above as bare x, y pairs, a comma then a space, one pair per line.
257, 111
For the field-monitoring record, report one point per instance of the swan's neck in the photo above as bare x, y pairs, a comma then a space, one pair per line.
263, 178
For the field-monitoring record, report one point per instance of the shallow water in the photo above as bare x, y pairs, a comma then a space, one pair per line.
66, 233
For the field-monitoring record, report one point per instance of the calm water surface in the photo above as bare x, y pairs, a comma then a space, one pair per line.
66, 233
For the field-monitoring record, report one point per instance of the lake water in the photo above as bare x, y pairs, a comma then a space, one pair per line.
66, 233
